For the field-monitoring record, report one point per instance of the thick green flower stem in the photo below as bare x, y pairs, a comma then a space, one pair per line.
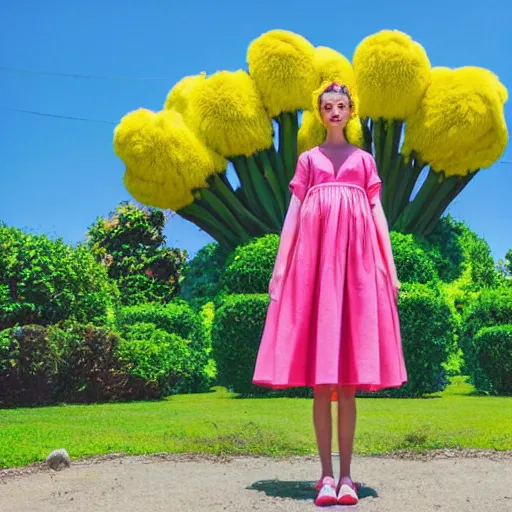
201, 218
248, 191
288, 127
428, 223
224, 191
432, 199
278, 166
408, 176
218, 210
378, 141
411, 213
264, 194
389, 160
270, 175
367, 134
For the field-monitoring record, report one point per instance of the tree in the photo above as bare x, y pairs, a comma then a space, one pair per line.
505, 265
130, 243
417, 120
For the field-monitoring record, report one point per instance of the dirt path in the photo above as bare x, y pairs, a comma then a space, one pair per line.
443, 482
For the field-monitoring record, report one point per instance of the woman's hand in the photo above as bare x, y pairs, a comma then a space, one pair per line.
396, 287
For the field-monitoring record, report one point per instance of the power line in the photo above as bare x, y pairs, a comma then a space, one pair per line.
88, 77
32, 112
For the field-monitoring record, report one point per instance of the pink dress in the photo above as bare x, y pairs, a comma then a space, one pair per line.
333, 318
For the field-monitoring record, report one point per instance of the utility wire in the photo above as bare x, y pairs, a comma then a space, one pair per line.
88, 77
32, 112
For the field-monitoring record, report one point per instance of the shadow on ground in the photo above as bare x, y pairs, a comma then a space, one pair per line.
300, 490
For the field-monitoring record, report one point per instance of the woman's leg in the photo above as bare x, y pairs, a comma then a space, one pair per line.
322, 420
346, 428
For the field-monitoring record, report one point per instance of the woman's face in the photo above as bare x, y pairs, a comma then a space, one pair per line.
335, 109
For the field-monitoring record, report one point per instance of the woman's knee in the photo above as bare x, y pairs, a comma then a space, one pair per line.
346, 392
322, 392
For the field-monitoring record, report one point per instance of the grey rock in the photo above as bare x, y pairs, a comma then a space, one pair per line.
58, 458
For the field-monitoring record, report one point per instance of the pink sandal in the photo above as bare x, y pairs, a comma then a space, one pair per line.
347, 494
327, 495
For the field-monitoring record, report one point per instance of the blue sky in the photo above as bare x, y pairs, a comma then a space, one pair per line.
58, 175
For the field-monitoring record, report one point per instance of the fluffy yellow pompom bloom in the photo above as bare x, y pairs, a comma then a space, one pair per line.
228, 114
392, 72
179, 96
334, 67
283, 66
459, 125
164, 160
354, 132
312, 132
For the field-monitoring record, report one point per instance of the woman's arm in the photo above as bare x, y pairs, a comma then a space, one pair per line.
286, 244
384, 239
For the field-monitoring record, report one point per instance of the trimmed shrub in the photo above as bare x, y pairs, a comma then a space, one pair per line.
202, 275
89, 370
454, 248
427, 332
177, 318
158, 357
236, 336
427, 327
44, 282
413, 263
495, 357
72, 363
249, 267
27, 366
493, 308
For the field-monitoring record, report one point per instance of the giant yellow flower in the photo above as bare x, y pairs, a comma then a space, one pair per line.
164, 160
311, 132
459, 125
334, 67
392, 72
283, 66
226, 111
179, 95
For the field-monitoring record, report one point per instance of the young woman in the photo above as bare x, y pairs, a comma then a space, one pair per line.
332, 323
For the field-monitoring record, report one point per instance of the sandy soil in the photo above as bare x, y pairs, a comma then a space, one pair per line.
440, 481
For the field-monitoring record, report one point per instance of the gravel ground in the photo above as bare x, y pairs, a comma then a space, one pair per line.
448, 481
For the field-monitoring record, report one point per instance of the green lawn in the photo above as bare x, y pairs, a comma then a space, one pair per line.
220, 423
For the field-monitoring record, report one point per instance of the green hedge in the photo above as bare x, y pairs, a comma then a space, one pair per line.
177, 318
495, 357
27, 366
249, 267
427, 331
158, 357
202, 275
43, 281
83, 364
72, 363
236, 336
493, 308
413, 263
455, 248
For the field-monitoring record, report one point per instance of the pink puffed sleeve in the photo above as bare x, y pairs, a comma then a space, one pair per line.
300, 181
373, 181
